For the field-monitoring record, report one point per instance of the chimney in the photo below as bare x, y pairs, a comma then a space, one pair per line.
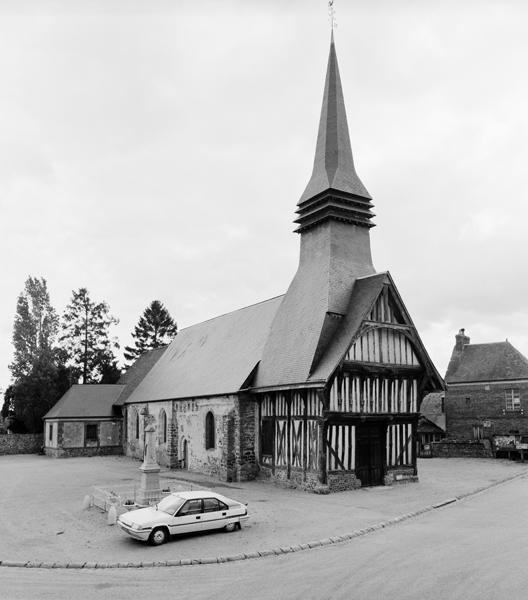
461, 340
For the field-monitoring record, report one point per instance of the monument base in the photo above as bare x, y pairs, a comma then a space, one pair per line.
149, 488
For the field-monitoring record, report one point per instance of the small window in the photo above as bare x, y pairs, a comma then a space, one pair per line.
92, 431
163, 426
213, 505
513, 400
468, 401
477, 432
191, 507
209, 431
267, 437
50, 432
137, 425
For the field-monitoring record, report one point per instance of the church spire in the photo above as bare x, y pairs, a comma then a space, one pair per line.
334, 177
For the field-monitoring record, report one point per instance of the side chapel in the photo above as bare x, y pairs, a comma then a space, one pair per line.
320, 387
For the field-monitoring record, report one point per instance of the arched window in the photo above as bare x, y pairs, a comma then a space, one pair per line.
209, 431
163, 426
137, 424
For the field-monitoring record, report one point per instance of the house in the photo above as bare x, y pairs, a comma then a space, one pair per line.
84, 422
320, 387
87, 420
487, 394
432, 423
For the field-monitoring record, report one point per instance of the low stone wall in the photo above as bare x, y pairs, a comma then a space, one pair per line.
457, 449
85, 451
21, 443
340, 481
400, 475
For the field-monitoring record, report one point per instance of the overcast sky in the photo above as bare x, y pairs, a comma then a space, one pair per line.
156, 150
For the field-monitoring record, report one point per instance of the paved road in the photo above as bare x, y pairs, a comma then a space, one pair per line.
473, 549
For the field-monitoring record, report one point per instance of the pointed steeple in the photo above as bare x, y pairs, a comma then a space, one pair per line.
334, 175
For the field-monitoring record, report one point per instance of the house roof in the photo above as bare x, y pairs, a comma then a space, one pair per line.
137, 372
427, 425
212, 358
431, 409
86, 401
333, 165
496, 361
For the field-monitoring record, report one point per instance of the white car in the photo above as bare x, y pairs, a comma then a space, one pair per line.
182, 512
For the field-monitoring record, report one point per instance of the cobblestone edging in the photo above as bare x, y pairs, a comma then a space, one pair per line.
278, 551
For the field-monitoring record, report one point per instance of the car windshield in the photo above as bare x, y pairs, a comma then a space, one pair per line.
170, 504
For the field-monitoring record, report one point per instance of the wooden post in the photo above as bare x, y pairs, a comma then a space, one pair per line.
323, 399
273, 399
414, 429
305, 431
289, 428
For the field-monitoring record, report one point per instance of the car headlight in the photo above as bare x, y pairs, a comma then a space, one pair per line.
137, 527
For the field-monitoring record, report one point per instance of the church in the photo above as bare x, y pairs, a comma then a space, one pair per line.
319, 388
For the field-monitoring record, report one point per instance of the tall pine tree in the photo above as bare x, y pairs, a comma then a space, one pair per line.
86, 336
155, 328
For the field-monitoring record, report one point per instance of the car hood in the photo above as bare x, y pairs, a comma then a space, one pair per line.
145, 517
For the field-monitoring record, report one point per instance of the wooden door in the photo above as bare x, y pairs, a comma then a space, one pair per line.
370, 449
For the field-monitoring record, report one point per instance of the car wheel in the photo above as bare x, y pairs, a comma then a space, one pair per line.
230, 527
158, 536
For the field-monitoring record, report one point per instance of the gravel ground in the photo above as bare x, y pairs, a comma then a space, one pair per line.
42, 519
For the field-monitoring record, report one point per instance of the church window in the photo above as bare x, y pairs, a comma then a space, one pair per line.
137, 424
513, 400
209, 431
51, 432
163, 426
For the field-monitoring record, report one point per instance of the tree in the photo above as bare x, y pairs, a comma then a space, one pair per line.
35, 327
155, 328
86, 335
110, 372
30, 397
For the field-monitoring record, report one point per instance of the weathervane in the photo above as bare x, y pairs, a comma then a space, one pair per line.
331, 14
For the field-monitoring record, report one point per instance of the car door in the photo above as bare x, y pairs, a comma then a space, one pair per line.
188, 518
215, 514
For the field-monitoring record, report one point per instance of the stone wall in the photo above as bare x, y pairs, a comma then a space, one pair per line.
308, 481
85, 451
134, 446
21, 443
339, 481
68, 438
459, 448
483, 406
400, 475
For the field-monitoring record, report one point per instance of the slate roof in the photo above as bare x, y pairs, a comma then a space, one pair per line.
86, 401
487, 362
333, 165
211, 358
137, 372
364, 294
431, 409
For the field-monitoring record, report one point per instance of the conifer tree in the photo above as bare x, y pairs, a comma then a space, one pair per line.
86, 335
155, 328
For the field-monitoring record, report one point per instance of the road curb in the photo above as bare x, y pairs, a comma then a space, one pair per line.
278, 551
